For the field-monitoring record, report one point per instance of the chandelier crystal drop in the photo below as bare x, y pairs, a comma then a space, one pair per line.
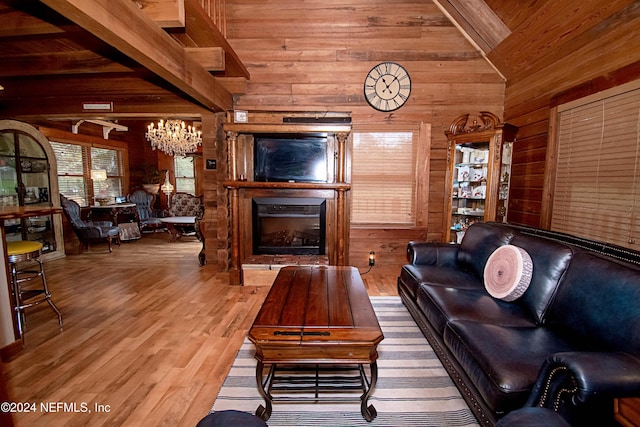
173, 137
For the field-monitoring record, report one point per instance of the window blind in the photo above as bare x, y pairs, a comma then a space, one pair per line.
110, 161
383, 178
185, 175
597, 189
71, 180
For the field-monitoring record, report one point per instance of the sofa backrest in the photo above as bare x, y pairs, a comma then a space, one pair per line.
598, 303
479, 242
72, 210
184, 204
550, 261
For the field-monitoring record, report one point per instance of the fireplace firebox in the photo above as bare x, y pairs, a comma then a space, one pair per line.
289, 225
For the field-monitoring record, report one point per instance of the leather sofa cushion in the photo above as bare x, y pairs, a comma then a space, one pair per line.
478, 244
441, 305
413, 275
502, 361
597, 304
550, 261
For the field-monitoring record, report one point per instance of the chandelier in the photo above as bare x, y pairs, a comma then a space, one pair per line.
173, 138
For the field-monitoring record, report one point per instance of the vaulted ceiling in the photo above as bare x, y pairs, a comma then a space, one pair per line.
156, 57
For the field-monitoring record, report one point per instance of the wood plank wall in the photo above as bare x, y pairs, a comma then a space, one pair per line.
589, 46
313, 55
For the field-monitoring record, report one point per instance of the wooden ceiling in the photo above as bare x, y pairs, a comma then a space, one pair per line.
521, 38
56, 55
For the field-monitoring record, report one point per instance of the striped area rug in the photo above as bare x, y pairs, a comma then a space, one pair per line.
413, 388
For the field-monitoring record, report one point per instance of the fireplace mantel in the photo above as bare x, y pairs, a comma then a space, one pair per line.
242, 189
253, 128
341, 186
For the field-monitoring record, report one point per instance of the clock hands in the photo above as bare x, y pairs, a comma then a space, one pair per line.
388, 85
395, 79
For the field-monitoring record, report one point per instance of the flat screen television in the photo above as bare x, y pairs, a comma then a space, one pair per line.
290, 158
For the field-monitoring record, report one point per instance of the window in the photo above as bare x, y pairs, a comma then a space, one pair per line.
185, 175
383, 178
75, 165
109, 161
71, 171
597, 188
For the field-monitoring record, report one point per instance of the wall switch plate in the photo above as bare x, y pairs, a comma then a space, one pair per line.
240, 116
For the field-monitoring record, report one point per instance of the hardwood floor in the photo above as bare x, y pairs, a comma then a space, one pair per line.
148, 334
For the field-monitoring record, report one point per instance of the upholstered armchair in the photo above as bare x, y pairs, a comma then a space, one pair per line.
184, 204
144, 203
88, 231
187, 205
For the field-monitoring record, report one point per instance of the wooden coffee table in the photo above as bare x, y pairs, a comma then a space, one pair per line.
316, 318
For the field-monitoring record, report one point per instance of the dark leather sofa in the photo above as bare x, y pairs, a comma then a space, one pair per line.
571, 343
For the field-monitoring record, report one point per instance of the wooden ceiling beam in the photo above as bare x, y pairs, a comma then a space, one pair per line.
477, 21
17, 22
200, 31
211, 58
166, 13
97, 86
77, 62
70, 107
62, 96
121, 24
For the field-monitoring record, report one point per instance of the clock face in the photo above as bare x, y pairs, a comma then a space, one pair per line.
387, 86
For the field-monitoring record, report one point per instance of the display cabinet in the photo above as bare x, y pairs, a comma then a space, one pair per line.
25, 181
478, 172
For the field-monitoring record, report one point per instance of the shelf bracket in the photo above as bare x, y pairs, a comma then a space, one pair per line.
107, 126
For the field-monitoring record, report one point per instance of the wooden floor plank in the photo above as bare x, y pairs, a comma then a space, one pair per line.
147, 331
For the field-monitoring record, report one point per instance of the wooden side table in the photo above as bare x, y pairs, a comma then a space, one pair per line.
114, 213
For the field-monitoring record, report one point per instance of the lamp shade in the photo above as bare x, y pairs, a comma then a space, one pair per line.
99, 175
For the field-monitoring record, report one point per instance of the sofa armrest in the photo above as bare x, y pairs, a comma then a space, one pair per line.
580, 378
432, 253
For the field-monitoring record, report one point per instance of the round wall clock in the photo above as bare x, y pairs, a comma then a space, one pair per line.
387, 86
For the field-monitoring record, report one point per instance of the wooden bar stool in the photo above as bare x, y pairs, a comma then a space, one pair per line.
26, 294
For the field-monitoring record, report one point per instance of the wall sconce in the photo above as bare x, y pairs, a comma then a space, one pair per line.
372, 259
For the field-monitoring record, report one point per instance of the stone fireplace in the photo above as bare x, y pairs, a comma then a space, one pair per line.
288, 226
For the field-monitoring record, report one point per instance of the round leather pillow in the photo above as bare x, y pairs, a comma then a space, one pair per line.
508, 272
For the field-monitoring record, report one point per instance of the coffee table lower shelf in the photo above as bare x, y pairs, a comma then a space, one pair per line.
302, 383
